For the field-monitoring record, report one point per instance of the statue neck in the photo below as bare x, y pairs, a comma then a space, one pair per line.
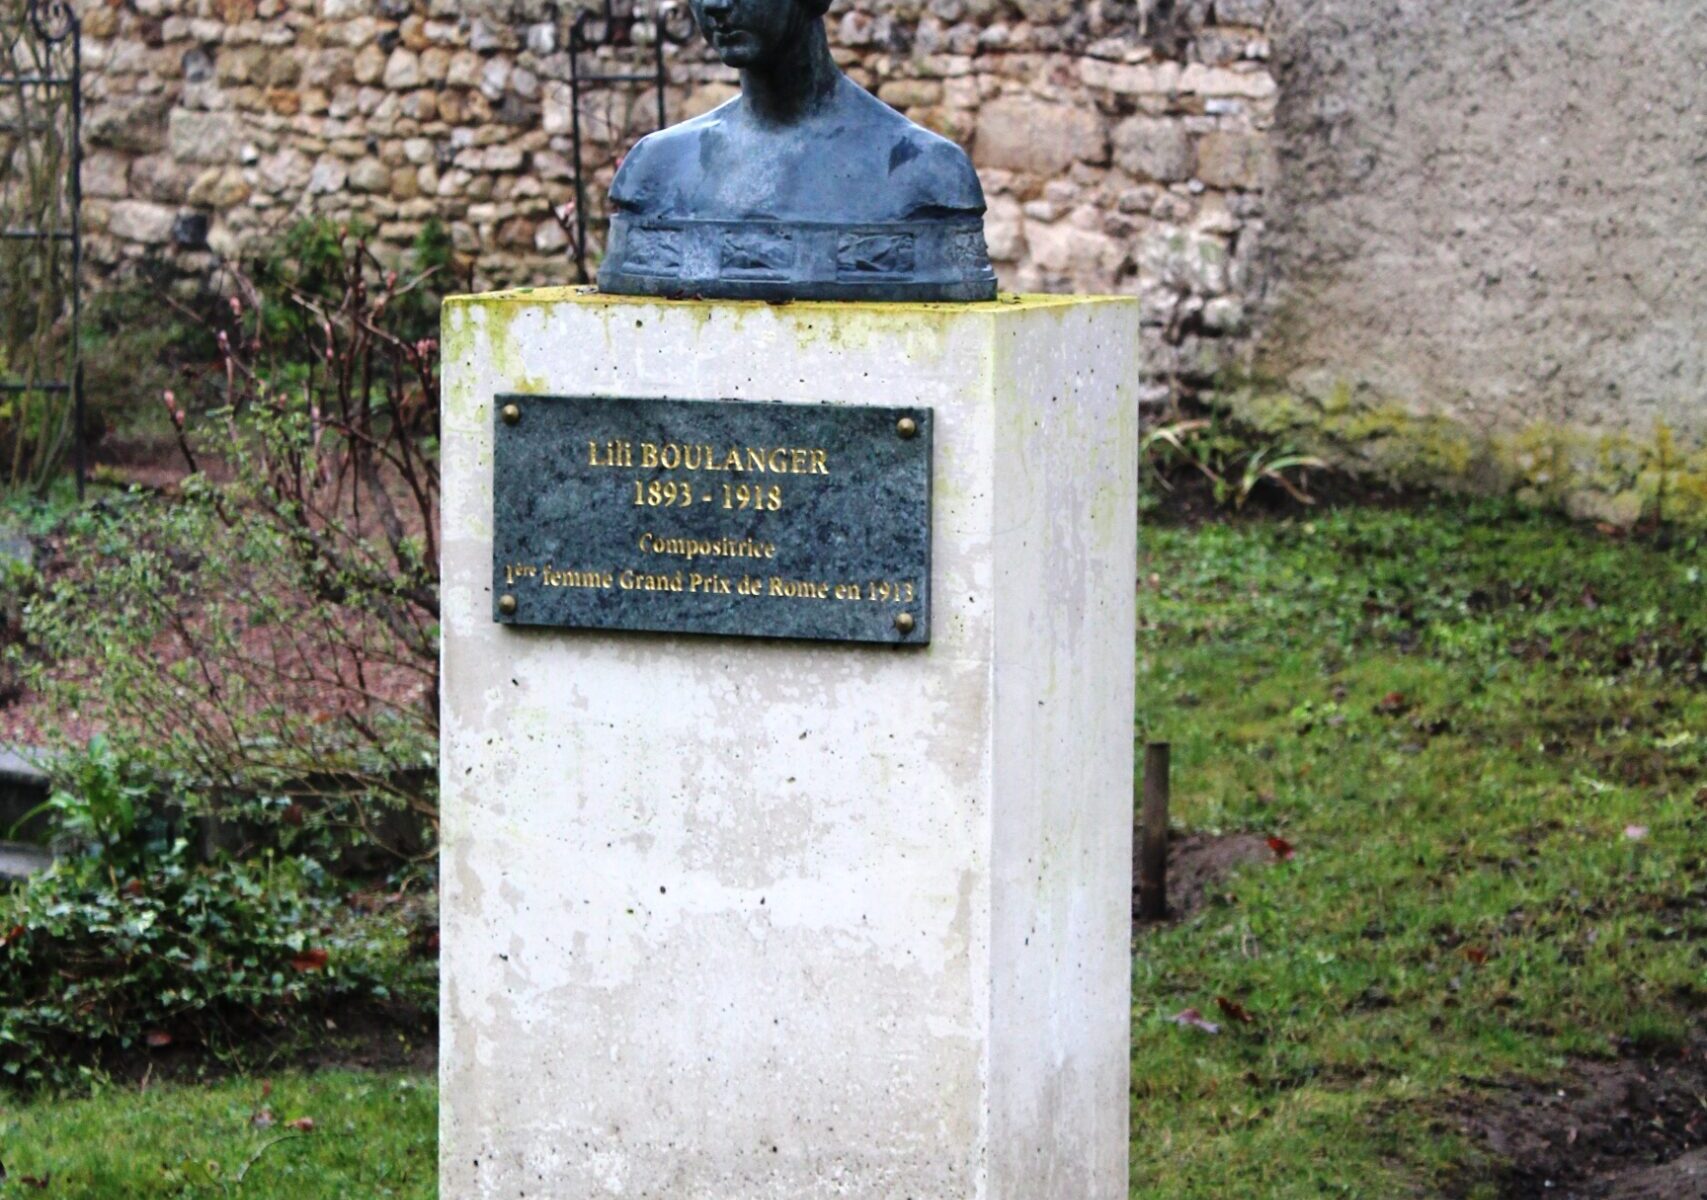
791, 89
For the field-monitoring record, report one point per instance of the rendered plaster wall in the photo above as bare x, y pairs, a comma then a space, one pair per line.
784, 921
1487, 246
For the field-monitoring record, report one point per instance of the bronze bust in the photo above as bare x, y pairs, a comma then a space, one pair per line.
804, 187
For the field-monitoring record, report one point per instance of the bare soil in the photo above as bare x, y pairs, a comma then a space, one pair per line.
1198, 867
1630, 1129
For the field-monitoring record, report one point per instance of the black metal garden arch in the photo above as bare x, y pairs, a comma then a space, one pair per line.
41, 201
628, 30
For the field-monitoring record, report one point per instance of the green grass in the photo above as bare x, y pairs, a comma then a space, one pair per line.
374, 1136
1464, 902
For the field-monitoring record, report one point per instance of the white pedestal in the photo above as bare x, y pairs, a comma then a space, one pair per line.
743, 920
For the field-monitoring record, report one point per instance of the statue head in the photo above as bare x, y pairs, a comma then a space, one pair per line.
758, 33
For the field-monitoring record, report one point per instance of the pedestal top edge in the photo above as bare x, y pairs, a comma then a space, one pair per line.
592, 298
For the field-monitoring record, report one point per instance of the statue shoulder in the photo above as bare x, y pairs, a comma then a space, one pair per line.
664, 158
936, 174
927, 174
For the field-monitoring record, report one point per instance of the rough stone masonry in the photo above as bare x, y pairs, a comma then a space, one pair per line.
1124, 150
1460, 243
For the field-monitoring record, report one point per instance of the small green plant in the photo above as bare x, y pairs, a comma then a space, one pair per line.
266, 631
99, 804
1227, 456
103, 958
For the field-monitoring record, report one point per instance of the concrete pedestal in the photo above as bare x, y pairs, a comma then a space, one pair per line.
741, 920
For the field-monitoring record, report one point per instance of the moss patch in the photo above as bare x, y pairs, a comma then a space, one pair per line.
1619, 477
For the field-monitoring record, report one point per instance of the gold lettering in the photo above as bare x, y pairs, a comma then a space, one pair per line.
648, 455
779, 461
797, 461
756, 461
818, 467
576, 579
798, 589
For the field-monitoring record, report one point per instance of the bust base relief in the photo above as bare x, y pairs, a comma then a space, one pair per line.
804, 187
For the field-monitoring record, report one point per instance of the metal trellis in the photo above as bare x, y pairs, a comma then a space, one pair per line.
614, 25
53, 63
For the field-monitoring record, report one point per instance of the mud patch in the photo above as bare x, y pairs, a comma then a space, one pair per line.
1634, 1129
1198, 867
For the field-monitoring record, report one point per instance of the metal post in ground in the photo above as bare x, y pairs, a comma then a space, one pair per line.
1153, 834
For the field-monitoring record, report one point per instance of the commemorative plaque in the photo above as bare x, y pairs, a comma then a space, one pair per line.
732, 518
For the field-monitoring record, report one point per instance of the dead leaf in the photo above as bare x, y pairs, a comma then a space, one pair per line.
1193, 1019
302, 1125
31, 1181
1476, 954
310, 960
1393, 704
157, 1038
1234, 1011
262, 1119
12, 935
1283, 849
266, 1088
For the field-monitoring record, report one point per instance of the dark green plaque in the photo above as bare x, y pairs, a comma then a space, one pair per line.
736, 518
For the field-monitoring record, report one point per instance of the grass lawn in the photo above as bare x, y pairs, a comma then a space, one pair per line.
1483, 732
373, 1135
1485, 735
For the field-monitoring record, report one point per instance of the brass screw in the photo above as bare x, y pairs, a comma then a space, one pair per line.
512, 414
905, 623
507, 605
907, 428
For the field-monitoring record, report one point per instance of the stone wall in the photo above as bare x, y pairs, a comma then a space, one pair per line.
1124, 146
1457, 242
